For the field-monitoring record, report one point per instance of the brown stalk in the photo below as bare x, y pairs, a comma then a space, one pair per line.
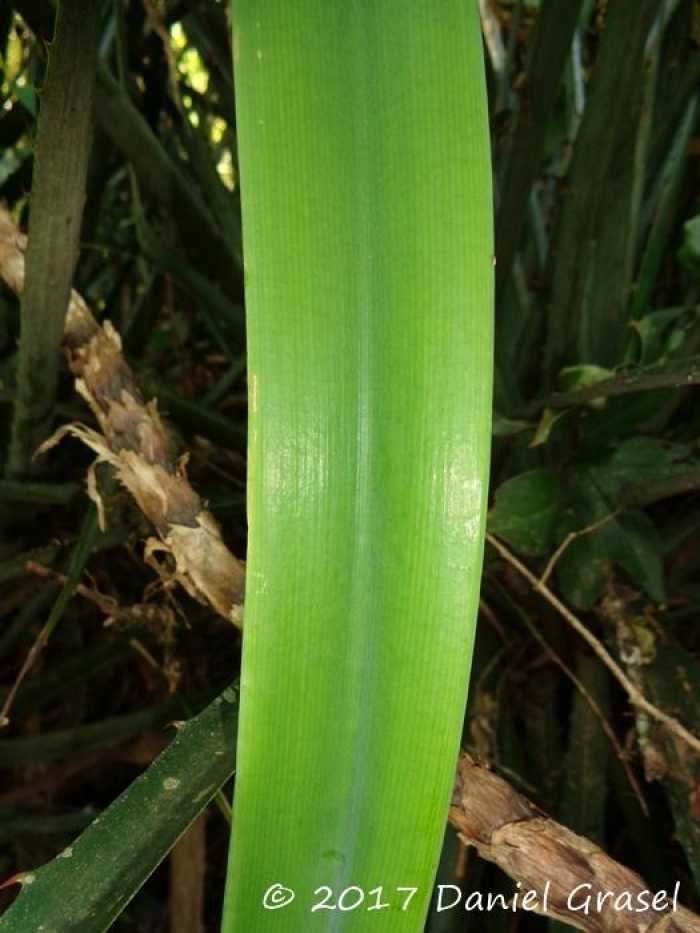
134, 440
563, 869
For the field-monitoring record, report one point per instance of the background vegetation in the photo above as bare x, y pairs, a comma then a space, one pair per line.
595, 458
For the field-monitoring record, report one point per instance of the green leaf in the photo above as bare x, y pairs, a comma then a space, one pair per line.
595, 236
87, 886
367, 230
629, 540
582, 572
526, 511
504, 427
26, 96
689, 253
661, 332
550, 420
633, 542
572, 378
633, 461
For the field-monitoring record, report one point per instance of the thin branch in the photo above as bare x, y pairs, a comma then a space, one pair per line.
636, 697
597, 712
667, 374
569, 539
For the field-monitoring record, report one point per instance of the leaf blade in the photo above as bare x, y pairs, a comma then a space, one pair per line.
368, 243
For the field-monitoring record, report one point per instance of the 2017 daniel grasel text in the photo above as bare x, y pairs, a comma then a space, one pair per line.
584, 899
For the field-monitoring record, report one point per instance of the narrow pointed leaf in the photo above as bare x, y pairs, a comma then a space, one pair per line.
85, 888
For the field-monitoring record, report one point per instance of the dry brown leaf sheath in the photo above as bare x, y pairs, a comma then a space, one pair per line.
509, 830
133, 439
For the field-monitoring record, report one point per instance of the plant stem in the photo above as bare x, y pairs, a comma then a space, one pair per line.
58, 190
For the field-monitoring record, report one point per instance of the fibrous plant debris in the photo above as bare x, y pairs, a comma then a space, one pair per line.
563, 868
134, 441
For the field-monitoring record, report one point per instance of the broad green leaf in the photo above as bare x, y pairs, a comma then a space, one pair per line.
629, 539
582, 572
367, 228
632, 541
526, 511
633, 461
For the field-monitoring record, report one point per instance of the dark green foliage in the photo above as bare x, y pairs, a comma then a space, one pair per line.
124, 844
596, 453
61, 154
526, 511
158, 246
